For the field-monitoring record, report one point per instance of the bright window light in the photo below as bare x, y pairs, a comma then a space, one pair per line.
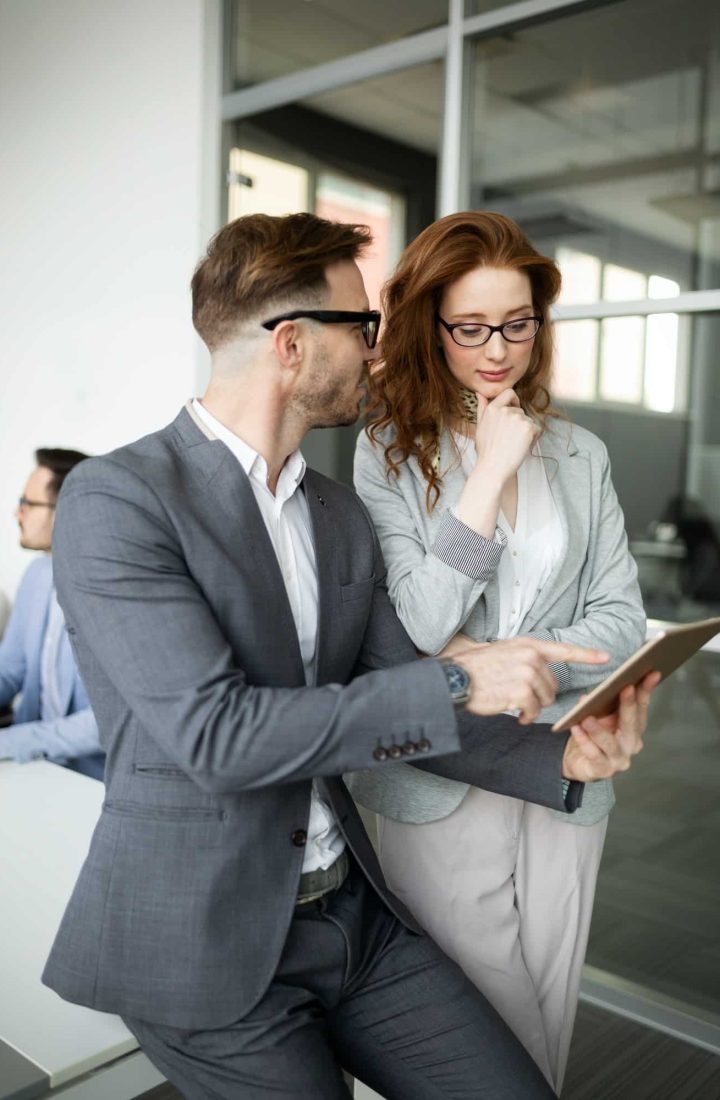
576, 345
620, 284
263, 185
661, 346
580, 276
659, 287
621, 359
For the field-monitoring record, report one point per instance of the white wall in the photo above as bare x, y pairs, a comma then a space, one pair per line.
109, 146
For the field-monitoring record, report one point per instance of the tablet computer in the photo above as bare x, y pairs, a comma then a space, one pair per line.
664, 653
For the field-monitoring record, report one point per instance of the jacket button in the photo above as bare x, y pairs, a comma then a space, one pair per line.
299, 838
380, 753
424, 745
395, 752
409, 748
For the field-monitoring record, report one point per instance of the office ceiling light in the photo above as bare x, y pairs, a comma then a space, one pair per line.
691, 208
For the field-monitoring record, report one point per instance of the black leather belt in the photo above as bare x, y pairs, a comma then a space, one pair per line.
315, 884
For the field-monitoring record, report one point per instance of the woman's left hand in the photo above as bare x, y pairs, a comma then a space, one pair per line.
599, 748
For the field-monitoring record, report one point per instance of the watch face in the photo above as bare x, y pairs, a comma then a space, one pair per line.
458, 680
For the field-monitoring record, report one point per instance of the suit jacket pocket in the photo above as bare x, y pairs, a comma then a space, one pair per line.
160, 771
146, 812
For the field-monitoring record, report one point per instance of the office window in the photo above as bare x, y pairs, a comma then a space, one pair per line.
631, 360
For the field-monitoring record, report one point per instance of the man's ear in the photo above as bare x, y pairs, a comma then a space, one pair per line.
289, 343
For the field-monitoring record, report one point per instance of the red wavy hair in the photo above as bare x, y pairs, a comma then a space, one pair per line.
412, 389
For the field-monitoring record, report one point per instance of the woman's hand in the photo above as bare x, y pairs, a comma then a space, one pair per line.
601, 747
503, 436
503, 440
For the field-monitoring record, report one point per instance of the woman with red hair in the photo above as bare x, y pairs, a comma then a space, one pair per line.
497, 517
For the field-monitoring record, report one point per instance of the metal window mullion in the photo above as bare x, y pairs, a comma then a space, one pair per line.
694, 301
391, 57
451, 147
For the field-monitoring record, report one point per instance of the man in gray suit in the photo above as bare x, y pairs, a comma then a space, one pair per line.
228, 611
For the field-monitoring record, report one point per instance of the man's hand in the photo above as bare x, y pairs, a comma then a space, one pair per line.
601, 747
514, 674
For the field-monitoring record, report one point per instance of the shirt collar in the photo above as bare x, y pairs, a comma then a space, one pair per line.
251, 460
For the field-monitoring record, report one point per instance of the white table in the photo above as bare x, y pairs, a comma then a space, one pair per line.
47, 815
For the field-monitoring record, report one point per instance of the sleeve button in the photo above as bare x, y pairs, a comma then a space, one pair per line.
380, 753
424, 745
409, 748
395, 752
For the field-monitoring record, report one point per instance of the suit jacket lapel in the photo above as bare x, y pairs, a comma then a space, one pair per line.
323, 529
234, 513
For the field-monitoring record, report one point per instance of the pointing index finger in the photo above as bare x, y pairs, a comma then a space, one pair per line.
571, 654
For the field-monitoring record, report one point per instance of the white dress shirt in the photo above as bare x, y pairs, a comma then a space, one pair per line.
534, 545
287, 518
51, 704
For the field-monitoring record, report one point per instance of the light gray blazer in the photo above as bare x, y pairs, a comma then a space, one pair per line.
591, 599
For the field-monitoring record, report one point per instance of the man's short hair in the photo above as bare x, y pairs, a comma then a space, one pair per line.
59, 462
257, 262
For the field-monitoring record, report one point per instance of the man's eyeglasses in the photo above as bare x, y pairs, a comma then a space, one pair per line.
23, 502
368, 319
469, 335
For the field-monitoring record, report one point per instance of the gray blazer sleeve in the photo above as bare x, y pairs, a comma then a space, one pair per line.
432, 591
125, 586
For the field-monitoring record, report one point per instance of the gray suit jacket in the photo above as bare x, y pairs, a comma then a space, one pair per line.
183, 632
592, 599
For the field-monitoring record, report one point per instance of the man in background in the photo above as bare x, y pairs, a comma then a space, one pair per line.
52, 717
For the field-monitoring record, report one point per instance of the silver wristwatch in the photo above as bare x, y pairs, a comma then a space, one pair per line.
458, 681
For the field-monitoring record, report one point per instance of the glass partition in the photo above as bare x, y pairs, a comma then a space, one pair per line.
600, 133
656, 910
273, 39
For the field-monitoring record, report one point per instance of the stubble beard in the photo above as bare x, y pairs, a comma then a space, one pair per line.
326, 403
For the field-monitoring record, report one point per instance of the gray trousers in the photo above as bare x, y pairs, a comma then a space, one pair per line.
506, 889
353, 989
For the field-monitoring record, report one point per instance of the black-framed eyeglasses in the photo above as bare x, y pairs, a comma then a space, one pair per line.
23, 502
470, 335
368, 319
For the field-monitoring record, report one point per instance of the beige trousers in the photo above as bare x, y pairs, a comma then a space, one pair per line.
506, 889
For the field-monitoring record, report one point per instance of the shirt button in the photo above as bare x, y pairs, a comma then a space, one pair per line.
380, 753
514, 553
517, 584
299, 838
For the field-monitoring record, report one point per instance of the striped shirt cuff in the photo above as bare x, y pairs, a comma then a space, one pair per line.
560, 669
467, 551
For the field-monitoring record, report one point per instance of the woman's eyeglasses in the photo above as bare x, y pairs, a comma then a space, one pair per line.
469, 335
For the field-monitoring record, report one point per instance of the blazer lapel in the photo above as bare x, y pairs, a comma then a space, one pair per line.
567, 471
230, 508
323, 528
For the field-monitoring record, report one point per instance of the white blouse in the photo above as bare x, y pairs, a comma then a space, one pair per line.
533, 547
